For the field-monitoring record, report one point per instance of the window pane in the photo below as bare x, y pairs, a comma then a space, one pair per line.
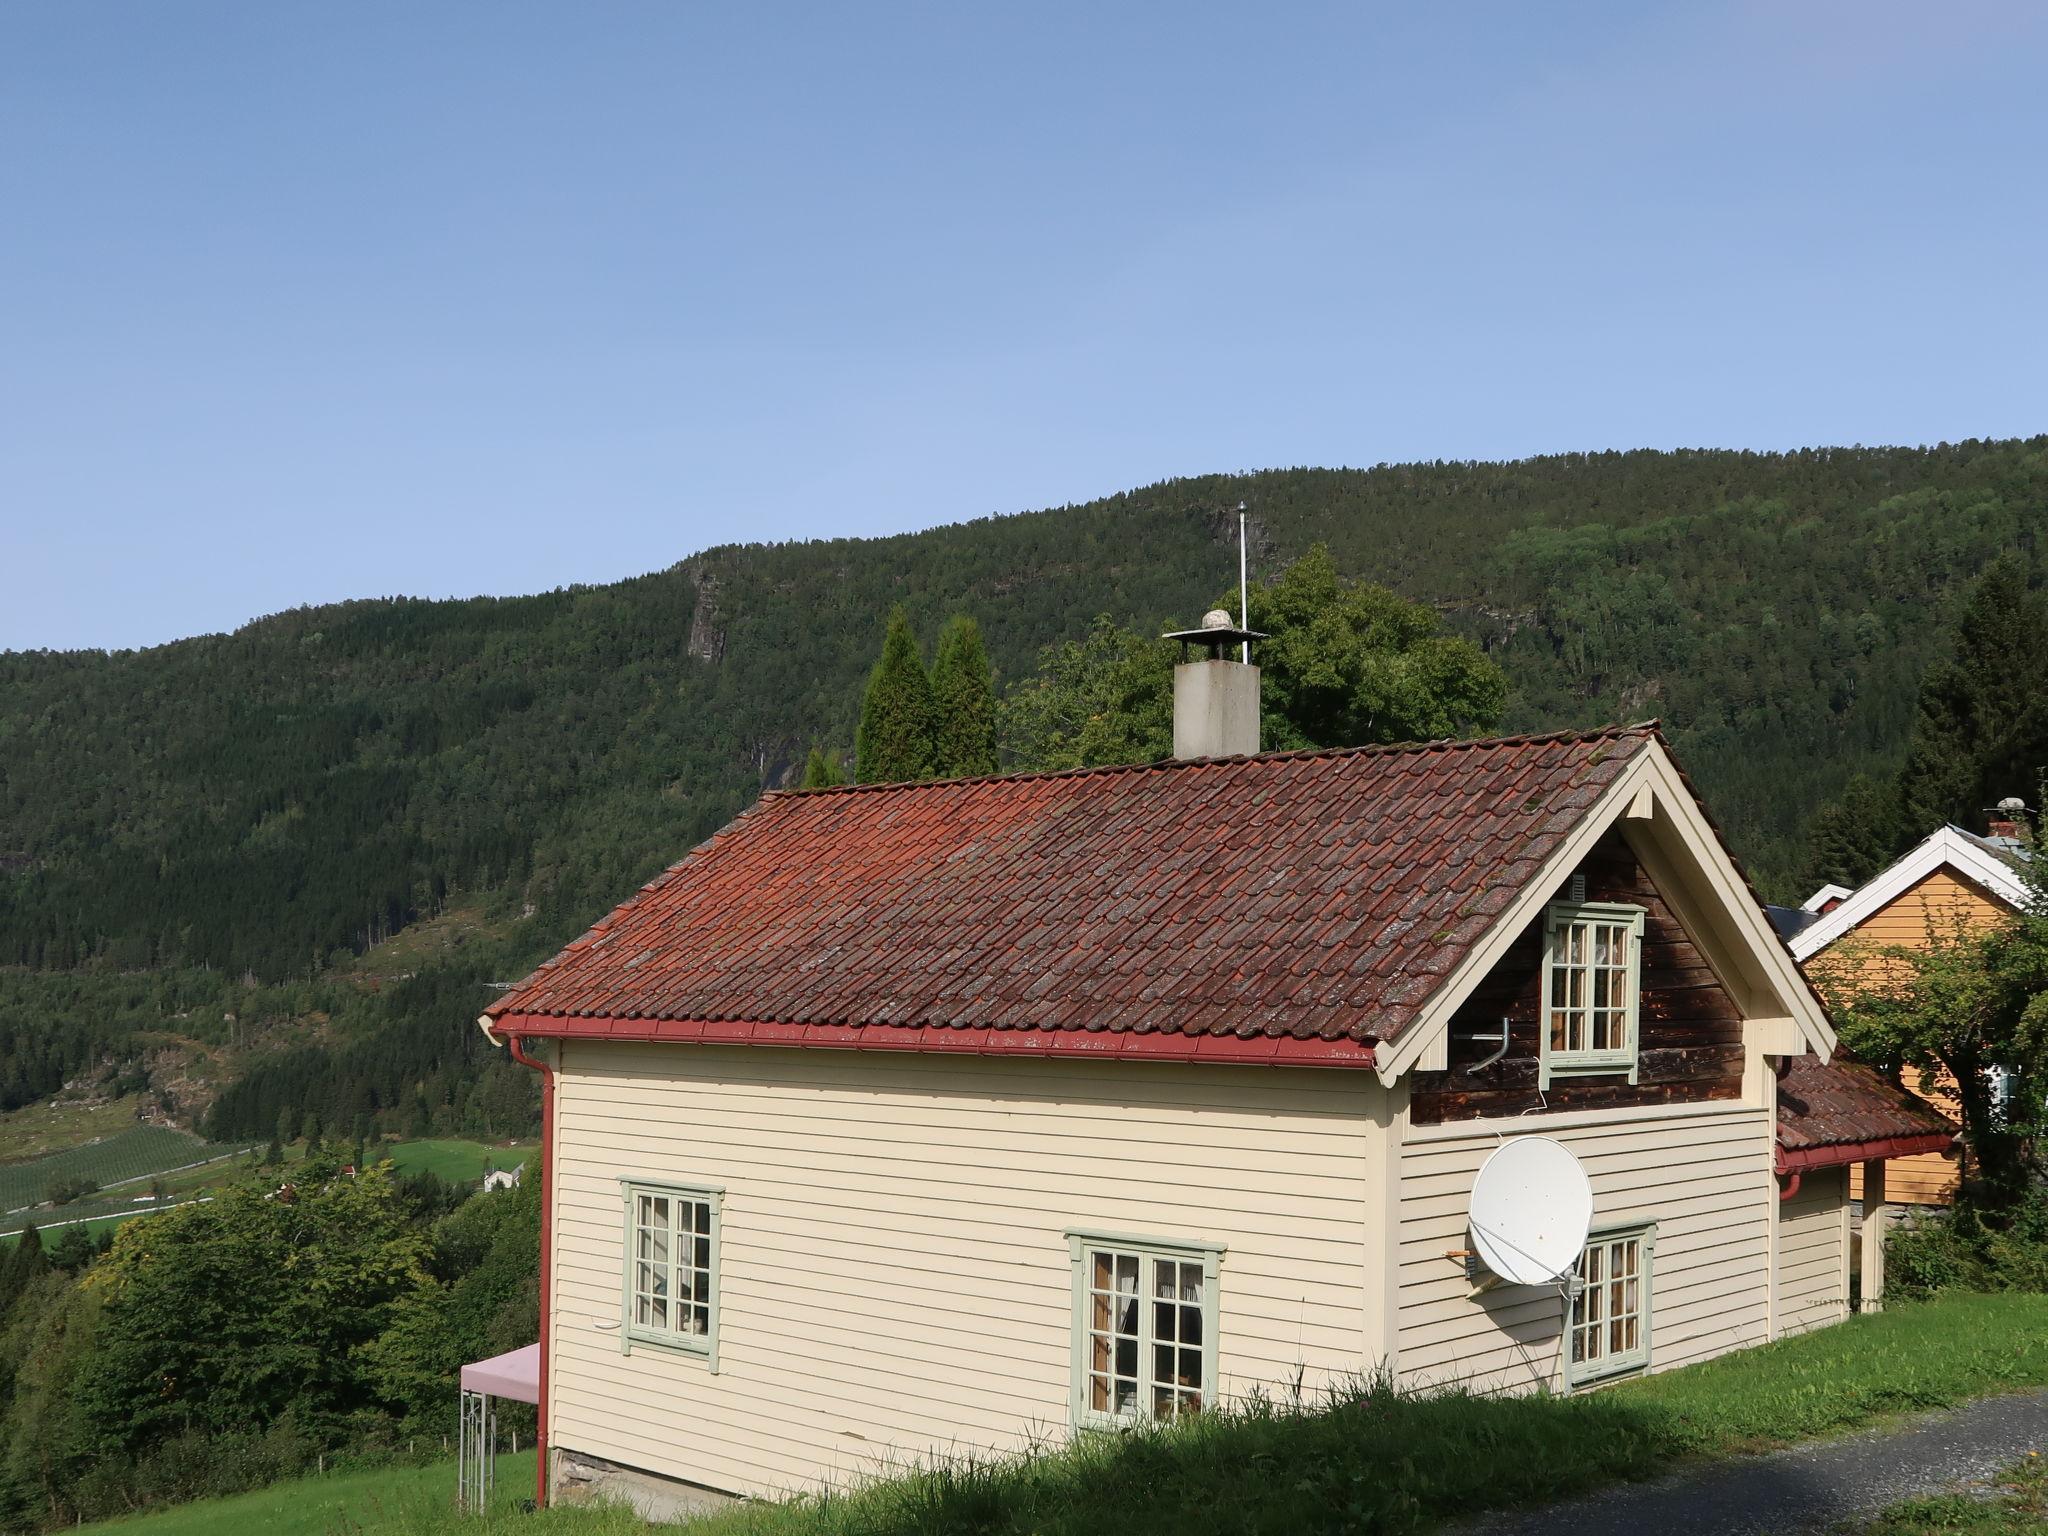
1156, 1371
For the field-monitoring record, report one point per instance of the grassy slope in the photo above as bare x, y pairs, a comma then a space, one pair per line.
1373, 1461
319, 1506
37, 1130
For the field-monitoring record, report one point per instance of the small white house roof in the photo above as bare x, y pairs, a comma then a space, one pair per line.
1970, 857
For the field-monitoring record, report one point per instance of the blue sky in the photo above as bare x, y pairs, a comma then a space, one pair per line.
304, 302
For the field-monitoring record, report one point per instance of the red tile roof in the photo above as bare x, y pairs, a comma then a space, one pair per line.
1845, 1111
1291, 897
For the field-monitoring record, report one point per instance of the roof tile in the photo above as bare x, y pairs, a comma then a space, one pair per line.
1311, 895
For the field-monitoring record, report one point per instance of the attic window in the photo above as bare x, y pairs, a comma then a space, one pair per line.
1592, 974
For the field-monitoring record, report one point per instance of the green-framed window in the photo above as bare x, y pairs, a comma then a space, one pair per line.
1144, 1327
1610, 1328
670, 1278
1592, 975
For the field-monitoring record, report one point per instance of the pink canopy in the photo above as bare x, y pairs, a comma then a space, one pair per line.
515, 1375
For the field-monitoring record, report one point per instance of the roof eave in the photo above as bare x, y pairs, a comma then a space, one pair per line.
1841, 1154
1068, 1045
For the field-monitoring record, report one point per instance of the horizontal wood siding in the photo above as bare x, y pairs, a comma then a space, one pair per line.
1937, 906
1813, 1253
1705, 1179
895, 1281
1690, 1030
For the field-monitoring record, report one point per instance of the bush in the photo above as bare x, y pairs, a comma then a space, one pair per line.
1969, 1249
64, 1191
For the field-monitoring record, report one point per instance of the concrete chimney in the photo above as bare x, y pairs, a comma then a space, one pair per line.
1215, 700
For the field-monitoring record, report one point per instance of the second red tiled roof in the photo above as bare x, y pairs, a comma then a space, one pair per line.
1846, 1104
1318, 895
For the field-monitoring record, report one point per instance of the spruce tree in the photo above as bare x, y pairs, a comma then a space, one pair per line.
1850, 841
1979, 731
963, 702
894, 742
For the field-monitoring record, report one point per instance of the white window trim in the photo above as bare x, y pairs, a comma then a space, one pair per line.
630, 1333
1181, 1250
1624, 1059
1635, 1361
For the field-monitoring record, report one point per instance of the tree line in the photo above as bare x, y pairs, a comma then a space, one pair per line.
304, 1313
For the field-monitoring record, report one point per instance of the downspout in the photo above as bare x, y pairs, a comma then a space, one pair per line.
1787, 1191
517, 1046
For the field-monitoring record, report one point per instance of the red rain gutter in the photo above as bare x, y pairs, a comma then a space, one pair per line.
547, 1248
1096, 1045
1797, 1160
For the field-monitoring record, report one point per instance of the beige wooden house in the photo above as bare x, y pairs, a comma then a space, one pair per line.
902, 1121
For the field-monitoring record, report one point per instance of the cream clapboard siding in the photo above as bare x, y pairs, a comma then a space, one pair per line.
1705, 1177
895, 1279
1813, 1253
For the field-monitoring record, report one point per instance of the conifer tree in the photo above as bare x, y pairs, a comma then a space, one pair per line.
1851, 840
1979, 730
822, 770
894, 742
963, 702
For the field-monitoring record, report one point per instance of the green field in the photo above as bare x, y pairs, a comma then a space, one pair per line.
132, 1154
92, 1228
459, 1162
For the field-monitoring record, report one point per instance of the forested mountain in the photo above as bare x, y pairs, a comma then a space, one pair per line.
199, 838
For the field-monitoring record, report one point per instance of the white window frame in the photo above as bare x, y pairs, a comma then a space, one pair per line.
1613, 1363
1149, 1252
1615, 1061
703, 1346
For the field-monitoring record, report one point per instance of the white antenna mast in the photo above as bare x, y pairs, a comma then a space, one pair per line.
1244, 601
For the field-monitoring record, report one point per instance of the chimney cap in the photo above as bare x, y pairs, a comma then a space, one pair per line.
1216, 632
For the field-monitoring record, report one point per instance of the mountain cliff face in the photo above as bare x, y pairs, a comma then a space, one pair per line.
262, 807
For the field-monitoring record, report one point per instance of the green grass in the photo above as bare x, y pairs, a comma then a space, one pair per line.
1370, 1460
393, 1499
459, 1162
92, 1228
2017, 1506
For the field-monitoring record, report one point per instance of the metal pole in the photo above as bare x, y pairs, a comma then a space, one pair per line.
1244, 601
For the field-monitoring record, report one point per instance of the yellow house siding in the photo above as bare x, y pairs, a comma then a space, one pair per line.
1705, 1178
894, 1276
1813, 1253
1938, 903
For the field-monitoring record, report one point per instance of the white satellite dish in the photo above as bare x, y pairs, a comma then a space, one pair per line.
1532, 1206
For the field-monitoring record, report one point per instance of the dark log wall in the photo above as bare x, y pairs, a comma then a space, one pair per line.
1690, 1033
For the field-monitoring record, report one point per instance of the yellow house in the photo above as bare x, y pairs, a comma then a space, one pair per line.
1953, 880
914, 1120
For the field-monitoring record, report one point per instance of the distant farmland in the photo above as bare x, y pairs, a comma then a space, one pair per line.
133, 1154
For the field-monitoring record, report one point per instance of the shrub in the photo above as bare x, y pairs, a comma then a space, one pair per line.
1968, 1249
62, 1191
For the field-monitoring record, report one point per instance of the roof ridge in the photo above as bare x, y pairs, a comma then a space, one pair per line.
1648, 729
